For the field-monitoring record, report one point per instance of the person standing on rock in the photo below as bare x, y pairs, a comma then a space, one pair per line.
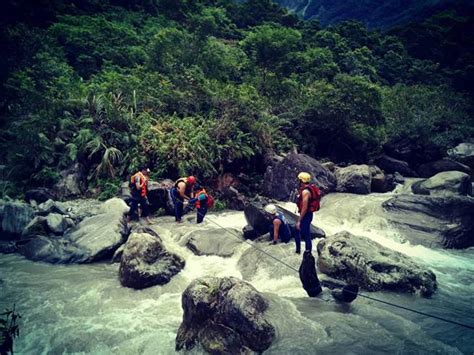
279, 228
182, 190
307, 201
139, 190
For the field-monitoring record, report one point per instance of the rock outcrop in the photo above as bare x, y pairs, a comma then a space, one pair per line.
281, 178
368, 264
354, 179
433, 221
145, 262
224, 316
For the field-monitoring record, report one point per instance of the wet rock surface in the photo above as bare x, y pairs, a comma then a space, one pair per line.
361, 261
224, 315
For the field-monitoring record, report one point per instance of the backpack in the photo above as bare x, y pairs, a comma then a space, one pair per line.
315, 200
210, 201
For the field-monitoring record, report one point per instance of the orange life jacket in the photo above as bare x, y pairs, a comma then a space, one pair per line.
144, 183
314, 200
197, 194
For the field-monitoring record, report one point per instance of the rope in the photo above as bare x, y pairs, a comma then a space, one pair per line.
359, 293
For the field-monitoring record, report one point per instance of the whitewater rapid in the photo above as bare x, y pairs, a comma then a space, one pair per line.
84, 309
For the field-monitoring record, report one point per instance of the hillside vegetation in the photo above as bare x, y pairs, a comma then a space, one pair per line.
206, 87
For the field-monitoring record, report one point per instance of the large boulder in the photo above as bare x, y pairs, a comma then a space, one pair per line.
233, 198
463, 153
100, 235
72, 182
213, 242
58, 224
158, 194
257, 218
433, 221
16, 216
308, 276
379, 181
354, 179
225, 316
447, 183
362, 261
392, 165
280, 179
145, 262
432, 168
54, 251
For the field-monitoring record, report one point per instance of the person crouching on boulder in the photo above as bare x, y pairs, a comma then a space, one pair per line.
200, 200
279, 228
182, 190
308, 200
139, 189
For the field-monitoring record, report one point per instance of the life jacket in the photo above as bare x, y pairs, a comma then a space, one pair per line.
188, 188
144, 184
314, 200
209, 199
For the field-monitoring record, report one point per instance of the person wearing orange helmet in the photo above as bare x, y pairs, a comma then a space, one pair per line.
182, 190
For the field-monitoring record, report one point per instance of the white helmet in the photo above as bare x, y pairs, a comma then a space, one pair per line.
271, 208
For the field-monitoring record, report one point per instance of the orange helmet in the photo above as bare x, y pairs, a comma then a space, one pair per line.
191, 179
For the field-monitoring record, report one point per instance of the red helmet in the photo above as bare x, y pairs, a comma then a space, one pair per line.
191, 179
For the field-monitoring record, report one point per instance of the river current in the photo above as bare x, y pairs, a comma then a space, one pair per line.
84, 309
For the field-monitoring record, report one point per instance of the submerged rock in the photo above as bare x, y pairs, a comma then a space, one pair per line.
145, 262
362, 261
213, 242
433, 221
225, 316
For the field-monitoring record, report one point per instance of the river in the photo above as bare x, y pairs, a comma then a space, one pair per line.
84, 309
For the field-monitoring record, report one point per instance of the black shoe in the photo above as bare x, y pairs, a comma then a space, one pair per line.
298, 252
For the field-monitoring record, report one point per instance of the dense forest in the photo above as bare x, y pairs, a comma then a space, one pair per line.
211, 86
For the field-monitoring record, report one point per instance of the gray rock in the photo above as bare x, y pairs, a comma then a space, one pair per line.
51, 206
72, 182
57, 223
258, 220
224, 315
52, 251
16, 216
8, 247
447, 183
354, 179
249, 232
37, 226
392, 165
432, 168
463, 153
433, 221
158, 196
380, 182
213, 242
308, 276
362, 261
281, 178
117, 257
99, 236
145, 262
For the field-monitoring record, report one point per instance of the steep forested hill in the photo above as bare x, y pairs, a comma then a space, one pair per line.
374, 13
210, 86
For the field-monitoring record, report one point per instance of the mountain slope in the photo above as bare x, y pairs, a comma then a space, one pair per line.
374, 13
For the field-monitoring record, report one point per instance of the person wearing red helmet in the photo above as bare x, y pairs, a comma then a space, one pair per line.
182, 190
